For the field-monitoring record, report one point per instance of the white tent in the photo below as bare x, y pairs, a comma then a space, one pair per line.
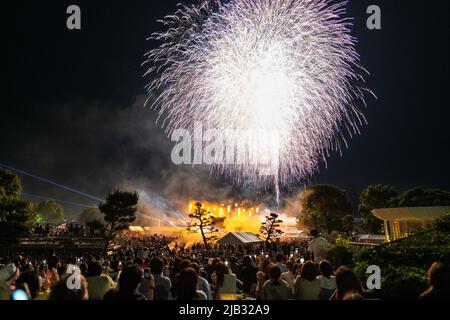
240, 238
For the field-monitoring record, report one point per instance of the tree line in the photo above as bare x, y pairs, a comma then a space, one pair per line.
18, 215
324, 207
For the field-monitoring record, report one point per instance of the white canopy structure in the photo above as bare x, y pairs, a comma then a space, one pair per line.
398, 221
136, 229
370, 238
240, 238
294, 233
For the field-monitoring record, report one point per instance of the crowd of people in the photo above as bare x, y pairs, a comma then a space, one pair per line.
155, 267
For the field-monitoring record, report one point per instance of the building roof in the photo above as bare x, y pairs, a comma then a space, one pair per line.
240, 238
136, 229
412, 213
370, 237
292, 232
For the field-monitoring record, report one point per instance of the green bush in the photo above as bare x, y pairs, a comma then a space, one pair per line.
397, 282
360, 269
442, 223
340, 255
419, 251
341, 252
402, 283
404, 264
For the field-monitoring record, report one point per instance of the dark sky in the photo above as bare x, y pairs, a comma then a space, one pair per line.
73, 109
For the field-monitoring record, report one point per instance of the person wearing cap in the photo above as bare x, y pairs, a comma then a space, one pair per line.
8, 275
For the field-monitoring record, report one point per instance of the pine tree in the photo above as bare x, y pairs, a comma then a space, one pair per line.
203, 221
270, 228
119, 211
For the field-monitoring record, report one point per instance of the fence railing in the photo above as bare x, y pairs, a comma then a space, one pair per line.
66, 244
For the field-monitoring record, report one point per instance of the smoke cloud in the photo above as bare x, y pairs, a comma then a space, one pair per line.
97, 146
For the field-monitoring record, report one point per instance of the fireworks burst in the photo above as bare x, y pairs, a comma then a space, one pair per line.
284, 65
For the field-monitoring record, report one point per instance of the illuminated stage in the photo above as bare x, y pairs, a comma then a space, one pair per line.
228, 217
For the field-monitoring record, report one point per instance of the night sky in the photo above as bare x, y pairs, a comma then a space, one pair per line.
73, 109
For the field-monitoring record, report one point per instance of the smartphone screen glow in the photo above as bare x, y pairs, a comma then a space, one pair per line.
19, 294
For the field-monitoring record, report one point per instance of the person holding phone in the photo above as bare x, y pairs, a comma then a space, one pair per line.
225, 282
30, 277
147, 285
20, 292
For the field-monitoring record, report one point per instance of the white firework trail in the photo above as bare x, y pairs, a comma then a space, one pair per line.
284, 65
